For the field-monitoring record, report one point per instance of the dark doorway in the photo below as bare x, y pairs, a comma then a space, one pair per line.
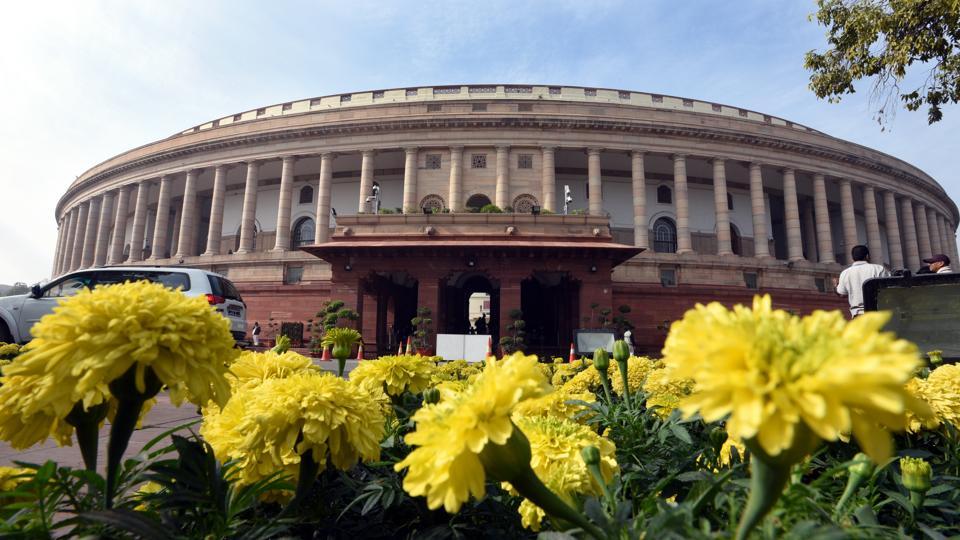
396, 305
550, 303
455, 300
478, 201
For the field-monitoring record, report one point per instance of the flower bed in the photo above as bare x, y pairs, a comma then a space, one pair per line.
752, 423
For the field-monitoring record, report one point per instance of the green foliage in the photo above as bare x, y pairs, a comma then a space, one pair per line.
882, 40
490, 209
333, 314
516, 340
422, 325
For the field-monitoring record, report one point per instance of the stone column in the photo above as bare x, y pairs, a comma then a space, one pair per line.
454, 202
721, 209
215, 229
848, 216
139, 222
411, 154
366, 181
822, 212
90, 235
594, 181
684, 243
933, 228
641, 238
282, 240
893, 229
66, 245
248, 219
548, 183
873, 221
75, 249
58, 250
944, 237
792, 215
808, 228
73, 240
923, 231
187, 238
115, 254
159, 248
502, 193
103, 229
323, 197
759, 209
910, 243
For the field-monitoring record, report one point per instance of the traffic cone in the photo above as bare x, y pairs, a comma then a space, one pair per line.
409, 345
489, 346
326, 354
573, 354
360, 352
400, 350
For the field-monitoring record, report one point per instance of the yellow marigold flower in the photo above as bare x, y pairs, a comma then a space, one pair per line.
397, 373
266, 428
637, 369
11, 477
94, 337
564, 372
664, 391
556, 404
375, 390
726, 455
448, 388
915, 423
587, 380
454, 370
9, 350
941, 390
547, 370
252, 368
777, 376
445, 465
555, 445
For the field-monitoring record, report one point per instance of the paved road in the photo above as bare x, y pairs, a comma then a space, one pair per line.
162, 417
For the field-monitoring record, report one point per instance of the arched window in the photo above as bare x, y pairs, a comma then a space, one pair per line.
432, 204
664, 236
306, 195
304, 232
478, 201
735, 243
664, 195
524, 204
256, 232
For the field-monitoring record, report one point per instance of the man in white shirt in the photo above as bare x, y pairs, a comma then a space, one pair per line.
851, 279
939, 264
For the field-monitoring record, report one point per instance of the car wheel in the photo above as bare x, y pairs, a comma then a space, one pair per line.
5, 335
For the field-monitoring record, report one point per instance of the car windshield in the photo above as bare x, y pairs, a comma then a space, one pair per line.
172, 280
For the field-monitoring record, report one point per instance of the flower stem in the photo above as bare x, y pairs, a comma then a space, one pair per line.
767, 481
309, 469
605, 381
528, 485
916, 499
128, 412
626, 384
341, 365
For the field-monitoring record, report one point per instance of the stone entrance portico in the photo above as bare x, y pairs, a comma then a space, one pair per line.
386, 266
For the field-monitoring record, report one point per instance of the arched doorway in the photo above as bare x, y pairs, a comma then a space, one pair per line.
455, 299
478, 201
393, 304
304, 232
664, 235
550, 304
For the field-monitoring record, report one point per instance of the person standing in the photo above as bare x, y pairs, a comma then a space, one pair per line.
256, 334
851, 279
939, 264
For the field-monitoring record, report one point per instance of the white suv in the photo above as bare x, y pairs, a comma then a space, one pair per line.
18, 314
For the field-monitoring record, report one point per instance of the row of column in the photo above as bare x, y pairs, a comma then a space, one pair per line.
84, 238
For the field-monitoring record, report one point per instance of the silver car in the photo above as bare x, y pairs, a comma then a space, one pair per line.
18, 314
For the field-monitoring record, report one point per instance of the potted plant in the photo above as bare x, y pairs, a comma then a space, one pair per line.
515, 341
333, 314
421, 334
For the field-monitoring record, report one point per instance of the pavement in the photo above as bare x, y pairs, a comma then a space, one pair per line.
162, 417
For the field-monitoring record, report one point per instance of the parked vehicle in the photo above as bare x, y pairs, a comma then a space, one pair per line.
18, 314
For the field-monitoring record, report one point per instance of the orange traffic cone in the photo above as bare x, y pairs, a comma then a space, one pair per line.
409, 345
326, 354
360, 352
573, 354
489, 346
400, 350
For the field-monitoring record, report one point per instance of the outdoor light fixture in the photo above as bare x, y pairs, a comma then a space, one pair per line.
348, 267
535, 210
471, 263
593, 268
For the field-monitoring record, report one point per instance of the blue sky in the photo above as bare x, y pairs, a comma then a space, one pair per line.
83, 81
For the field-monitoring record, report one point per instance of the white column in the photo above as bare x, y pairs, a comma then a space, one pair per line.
944, 241
848, 216
139, 222
411, 155
594, 181
159, 248
72, 240
366, 181
910, 243
923, 231
248, 220
791, 210
893, 230
721, 209
684, 243
282, 241
548, 179
822, 213
873, 222
323, 197
502, 192
759, 209
641, 238
103, 229
455, 202
115, 254
90, 236
58, 250
187, 240
933, 229
215, 229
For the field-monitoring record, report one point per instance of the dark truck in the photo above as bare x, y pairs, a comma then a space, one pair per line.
925, 309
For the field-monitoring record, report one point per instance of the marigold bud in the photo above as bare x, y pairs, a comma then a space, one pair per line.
601, 360
718, 436
916, 474
590, 455
862, 466
431, 395
621, 351
935, 356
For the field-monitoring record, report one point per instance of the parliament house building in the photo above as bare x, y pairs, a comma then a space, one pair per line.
607, 198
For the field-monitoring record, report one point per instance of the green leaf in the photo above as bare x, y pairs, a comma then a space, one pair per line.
130, 521
681, 433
